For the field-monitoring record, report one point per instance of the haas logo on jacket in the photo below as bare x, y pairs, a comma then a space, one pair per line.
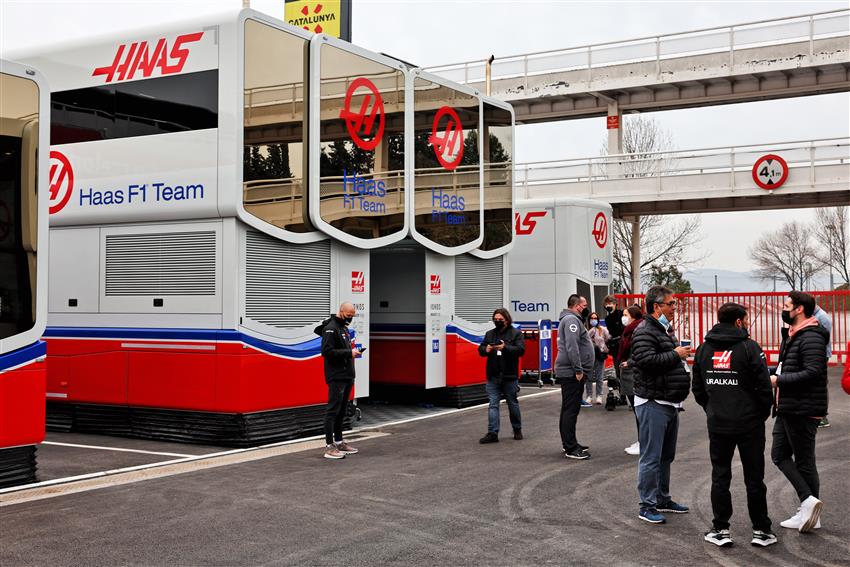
722, 360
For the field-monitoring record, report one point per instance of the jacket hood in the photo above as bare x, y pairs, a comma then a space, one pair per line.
814, 329
320, 328
726, 334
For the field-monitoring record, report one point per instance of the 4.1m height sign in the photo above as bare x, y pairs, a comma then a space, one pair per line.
770, 172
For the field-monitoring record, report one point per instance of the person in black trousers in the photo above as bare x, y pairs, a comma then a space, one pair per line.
801, 401
339, 354
573, 363
503, 346
732, 384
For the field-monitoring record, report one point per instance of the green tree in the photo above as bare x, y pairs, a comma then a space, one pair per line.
669, 276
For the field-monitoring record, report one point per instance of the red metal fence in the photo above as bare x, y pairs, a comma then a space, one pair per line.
697, 313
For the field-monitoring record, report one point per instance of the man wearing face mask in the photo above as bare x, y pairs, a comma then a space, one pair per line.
661, 385
573, 363
732, 384
801, 401
503, 346
339, 354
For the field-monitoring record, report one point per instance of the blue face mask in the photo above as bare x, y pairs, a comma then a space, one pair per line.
593, 322
663, 320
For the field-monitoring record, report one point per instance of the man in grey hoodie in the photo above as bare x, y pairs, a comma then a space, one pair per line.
574, 362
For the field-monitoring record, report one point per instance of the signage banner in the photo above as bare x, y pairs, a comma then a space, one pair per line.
329, 17
545, 345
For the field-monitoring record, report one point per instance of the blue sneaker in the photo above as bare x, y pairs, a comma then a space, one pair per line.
652, 516
586, 404
673, 508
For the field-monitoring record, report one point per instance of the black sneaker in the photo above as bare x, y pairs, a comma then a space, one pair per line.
763, 539
720, 538
489, 438
518, 434
583, 447
579, 454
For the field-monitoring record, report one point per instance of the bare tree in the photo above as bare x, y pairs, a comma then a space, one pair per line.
788, 253
830, 230
663, 241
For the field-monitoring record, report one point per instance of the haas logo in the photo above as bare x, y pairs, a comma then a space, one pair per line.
435, 284
526, 225
145, 57
722, 360
358, 282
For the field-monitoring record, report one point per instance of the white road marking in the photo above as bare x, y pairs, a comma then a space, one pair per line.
99, 448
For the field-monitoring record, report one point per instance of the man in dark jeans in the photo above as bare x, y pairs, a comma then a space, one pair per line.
503, 346
575, 360
732, 384
339, 354
801, 401
661, 385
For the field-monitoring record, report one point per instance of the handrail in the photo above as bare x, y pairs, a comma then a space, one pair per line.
658, 39
608, 158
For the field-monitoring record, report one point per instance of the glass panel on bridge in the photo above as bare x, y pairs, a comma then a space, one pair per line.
447, 161
498, 177
361, 166
19, 115
273, 161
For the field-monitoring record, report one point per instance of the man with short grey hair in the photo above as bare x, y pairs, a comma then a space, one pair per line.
574, 361
662, 383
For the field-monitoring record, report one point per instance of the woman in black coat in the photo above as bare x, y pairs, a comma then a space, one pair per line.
503, 346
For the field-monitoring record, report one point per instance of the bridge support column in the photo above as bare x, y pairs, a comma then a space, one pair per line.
615, 138
636, 255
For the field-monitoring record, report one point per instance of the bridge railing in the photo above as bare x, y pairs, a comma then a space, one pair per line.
730, 159
658, 48
697, 314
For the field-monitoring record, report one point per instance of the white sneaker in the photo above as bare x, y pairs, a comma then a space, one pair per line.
598, 400
633, 449
589, 400
809, 514
794, 522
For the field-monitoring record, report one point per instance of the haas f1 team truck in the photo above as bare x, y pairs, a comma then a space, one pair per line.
563, 246
227, 182
24, 142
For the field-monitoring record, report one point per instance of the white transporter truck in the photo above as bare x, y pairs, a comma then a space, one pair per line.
563, 246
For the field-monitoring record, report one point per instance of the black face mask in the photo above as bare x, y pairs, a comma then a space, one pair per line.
499, 324
348, 320
786, 317
609, 309
585, 313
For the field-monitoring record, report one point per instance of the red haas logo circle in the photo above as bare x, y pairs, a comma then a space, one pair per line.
600, 230
358, 282
435, 284
145, 57
361, 123
448, 147
61, 181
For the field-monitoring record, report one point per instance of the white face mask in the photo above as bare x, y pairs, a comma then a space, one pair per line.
626, 320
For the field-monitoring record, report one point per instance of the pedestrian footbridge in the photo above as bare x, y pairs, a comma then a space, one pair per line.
696, 181
770, 59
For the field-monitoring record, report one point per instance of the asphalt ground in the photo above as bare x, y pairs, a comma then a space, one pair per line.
427, 493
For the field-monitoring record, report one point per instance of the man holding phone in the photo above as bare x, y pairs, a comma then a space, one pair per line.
339, 353
662, 383
503, 345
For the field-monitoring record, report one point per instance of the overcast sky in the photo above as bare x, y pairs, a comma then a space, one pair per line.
432, 32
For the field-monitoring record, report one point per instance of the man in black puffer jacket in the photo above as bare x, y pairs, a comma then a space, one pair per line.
661, 385
339, 354
503, 346
732, 383
800, 382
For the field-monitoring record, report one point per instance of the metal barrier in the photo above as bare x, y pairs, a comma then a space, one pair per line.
726, 39
697, 314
